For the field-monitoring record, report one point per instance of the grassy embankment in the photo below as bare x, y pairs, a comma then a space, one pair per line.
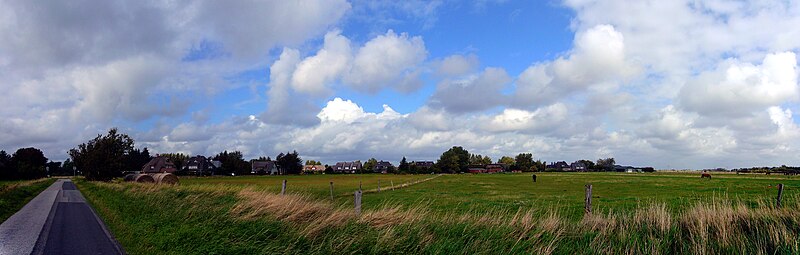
15, 194
646, 213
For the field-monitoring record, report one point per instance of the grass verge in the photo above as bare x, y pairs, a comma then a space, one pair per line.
14, 195
219, 219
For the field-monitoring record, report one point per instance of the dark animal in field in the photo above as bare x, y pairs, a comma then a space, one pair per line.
705, 175
534, 178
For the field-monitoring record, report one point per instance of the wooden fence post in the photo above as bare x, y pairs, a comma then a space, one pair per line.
359, 185
379, 185
780, 194
283, 187
392, 184
331, 190
588, 206
358, 202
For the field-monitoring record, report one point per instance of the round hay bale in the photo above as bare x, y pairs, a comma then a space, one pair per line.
145, 178
165, 178
129, 177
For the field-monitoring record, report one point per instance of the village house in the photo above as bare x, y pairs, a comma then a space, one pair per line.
159, 164
382, 167
347, 167
313, 169
557, 166
263, 167
578, 166
422, 164
199, 165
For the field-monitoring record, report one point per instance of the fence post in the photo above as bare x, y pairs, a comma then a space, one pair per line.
780, 194
379, 185
331, 190
283, 187
588, 206
392, 184
358, 202
359, 185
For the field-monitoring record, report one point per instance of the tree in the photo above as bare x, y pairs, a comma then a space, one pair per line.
404, 166
329, 170
103, 157
370, 164
312, 162
506, 160
289, 163
524, 161
589, 164
5, 166
262, 158
606, 164
233, 162
54, 169
454, 160
28, 163
67, 167
178, 159
138, 158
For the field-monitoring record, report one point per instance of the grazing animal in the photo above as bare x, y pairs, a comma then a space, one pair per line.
534, 178
705, 175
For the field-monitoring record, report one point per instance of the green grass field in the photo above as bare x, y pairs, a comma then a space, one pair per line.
15, 194
498, 213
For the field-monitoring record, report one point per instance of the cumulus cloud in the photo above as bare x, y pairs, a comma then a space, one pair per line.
456, 65
314, 73
736, 88
475, 93
543, 119
384, 60
598, 57
281, 108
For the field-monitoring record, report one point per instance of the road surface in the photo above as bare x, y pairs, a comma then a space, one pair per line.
57, 221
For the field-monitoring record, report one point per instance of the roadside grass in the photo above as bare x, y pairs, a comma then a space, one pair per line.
213, 218
15, 194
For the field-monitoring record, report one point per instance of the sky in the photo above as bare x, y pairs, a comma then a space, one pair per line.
669, 84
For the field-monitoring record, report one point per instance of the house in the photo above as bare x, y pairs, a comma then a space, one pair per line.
557, 166
347, 167
476, 169
422, 164
578, 166
199, 165
159, 164
494, 168
382, 167
263, 167
313, 168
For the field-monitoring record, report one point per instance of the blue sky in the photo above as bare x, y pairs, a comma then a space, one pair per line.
670, 84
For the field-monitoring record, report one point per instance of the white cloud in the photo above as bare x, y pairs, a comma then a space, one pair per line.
457, 65
475, 93
546, 118
382, 61
315, 73
737, 88
598, 57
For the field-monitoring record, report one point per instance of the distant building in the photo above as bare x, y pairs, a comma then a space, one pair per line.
557, 166
199, 165
313, 168
263, 167
347, 167
382, 167
476, 169
494, 168
578, 166
159, 164
422, 164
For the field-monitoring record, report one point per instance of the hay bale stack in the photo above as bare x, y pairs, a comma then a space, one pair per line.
165, 178
143, 178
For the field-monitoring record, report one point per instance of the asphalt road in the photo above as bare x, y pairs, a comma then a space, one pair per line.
70, 227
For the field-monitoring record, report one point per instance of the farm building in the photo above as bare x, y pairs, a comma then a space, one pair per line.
199, 165
263, 167
557, 166
382, 167
494, 168
313, 168
347, 167
578, 166
423, 164
159, 164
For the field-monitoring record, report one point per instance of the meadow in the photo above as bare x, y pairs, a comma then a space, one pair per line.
497, 213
